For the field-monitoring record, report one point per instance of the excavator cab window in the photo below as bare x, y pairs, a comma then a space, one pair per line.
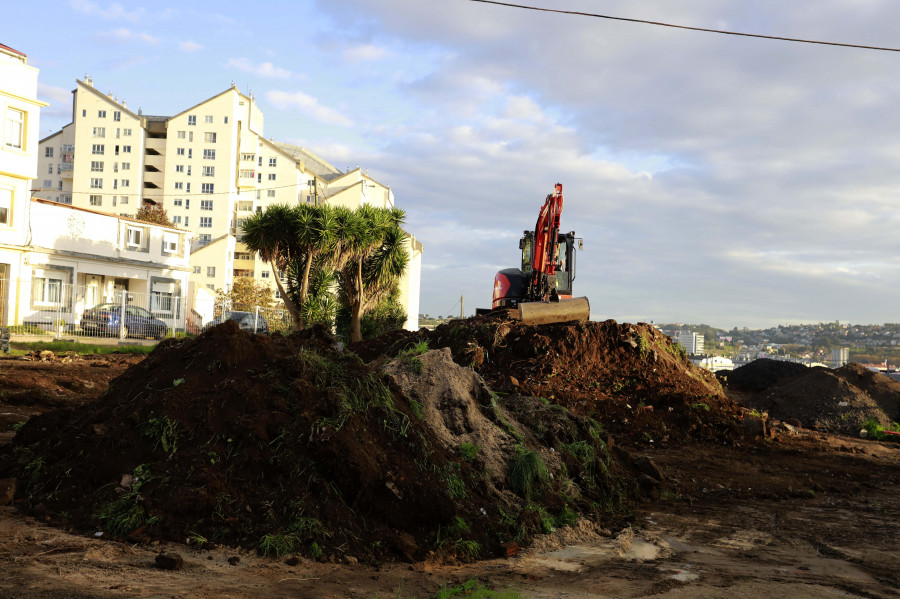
565, 265
526, 244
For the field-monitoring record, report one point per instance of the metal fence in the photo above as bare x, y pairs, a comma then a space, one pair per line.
46, 308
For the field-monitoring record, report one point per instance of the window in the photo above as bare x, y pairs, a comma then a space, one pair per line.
208, 118
117, 132
242, 256
248, 157
176, 220
97, 149
161, 301
47, 290
117, 116
126, 166
245, 174
176, 202
96, 166
126, 149
210, 286
134, 236
48, 152
5, 205
265, 274
187, 221
187, 204
188, 188
270, 193
179, 168
181, 135
210, 271
170, 242
245, 206
189, 170
196, 270
190, 153
209, 154
123, 200
190, 136
84, 113
47, 183
260, 161
101, 114
206, 204
96, 183
209, 137
59, 185
50, 169
226, 120
205, 222
259, 177
180, 151
126, 132
206, 188
192, 119
99, 131
271, 176
15, 129
96, 200
179, 185
209, 171
272, 161
124, 182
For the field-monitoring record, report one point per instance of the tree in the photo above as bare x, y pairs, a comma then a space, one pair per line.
153, 213
290, 239
245, 294
371, 260
387, 315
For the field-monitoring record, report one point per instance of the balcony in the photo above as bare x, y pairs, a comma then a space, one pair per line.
65, 169
155, 160
247, 180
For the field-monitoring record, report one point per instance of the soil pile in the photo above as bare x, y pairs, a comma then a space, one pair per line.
760, 374
840, 400
629, 377
289, 445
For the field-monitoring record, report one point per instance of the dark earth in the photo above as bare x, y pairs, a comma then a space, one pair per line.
289, 466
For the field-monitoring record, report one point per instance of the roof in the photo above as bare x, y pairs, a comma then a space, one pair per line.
312, 162
13, 50
105, 97
119, 216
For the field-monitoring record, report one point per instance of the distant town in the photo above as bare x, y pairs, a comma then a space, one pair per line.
830, 344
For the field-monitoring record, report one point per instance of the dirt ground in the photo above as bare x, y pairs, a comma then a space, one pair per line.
797, 513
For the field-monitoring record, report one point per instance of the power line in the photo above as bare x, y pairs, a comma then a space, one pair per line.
661, 24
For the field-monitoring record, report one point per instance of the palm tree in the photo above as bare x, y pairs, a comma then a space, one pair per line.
372, 258
286, 237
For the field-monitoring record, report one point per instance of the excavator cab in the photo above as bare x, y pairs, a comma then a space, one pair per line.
564, 257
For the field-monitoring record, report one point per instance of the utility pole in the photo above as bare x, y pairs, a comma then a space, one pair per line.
461, 308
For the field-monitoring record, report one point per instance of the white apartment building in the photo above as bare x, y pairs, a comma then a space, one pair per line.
209, 166
20, 111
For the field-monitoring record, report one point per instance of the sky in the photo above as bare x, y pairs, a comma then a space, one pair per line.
715, 179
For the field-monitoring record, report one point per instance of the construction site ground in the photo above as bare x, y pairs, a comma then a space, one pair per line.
741, 510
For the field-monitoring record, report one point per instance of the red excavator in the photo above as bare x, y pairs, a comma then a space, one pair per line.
541, 291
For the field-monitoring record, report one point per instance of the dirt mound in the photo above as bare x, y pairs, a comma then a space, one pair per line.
629, 377
884, 390
288, 444
820, 399
760, 374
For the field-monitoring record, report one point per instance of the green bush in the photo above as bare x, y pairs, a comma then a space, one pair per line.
527, 473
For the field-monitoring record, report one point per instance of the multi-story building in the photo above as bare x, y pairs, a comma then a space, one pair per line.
20, 111
210, 167
692, 342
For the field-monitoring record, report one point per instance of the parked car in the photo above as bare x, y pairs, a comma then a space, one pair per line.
245, 320
106, 320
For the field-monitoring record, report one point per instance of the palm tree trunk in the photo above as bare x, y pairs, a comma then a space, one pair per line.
356, 307
304, 283
291, 308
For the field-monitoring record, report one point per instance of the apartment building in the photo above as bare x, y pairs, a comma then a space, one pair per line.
210, 167
20, 111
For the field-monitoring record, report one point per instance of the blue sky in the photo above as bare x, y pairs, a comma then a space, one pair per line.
715, 179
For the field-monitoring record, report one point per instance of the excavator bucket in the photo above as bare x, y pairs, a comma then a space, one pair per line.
577, 308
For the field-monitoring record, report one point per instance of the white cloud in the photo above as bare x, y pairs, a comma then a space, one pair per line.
364, 52
112, 11
60, 101
309, 106
125, 36
190, 46
263, 69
